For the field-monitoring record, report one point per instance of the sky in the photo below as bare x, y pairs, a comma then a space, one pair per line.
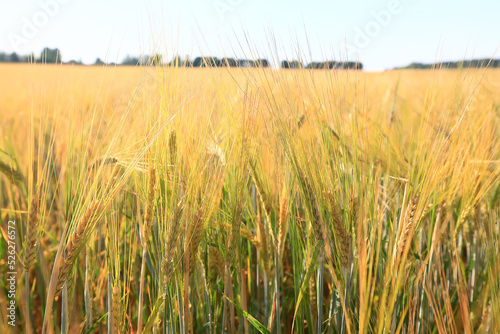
382, 34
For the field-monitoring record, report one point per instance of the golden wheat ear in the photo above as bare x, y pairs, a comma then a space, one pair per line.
194, 234
341, 233
117, 309
282, 229
173, 235
408, 225
75, 243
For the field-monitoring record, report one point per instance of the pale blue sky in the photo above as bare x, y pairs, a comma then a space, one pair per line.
382, 33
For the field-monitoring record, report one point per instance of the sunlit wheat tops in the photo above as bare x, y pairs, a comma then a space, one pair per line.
201, 206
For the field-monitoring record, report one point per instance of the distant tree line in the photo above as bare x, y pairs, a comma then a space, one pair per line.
49, 56
225, 62
336, 65
474, 63
291, 64
53, 56
325, 65
286, 64
145, 60
14, 58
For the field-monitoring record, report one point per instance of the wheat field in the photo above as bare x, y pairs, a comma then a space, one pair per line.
239, 200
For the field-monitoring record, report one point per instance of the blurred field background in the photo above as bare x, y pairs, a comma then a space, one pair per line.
244, 200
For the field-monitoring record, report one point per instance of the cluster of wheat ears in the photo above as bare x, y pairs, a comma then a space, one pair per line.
172, 200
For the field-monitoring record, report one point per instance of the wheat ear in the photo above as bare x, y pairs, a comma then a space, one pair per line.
173, 235
74, 244
244, 232
195, 231
215, 264
309, 195
172, 147
117, 314
104, 161
408, 225
234, 237
260, 191
340, 231
12, 174
282, 224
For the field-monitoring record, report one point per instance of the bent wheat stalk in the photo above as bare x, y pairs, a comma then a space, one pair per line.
146, 231
30, 251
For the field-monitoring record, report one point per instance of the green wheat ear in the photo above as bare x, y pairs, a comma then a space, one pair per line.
12, 174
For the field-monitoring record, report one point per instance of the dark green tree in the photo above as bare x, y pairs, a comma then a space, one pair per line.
98, 61
129, 60
14, 58
50, 56
291, 64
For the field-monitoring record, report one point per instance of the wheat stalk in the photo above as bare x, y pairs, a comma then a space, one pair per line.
148, 217
146, 231
282, 225
262, 238
215, 264
32, 232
